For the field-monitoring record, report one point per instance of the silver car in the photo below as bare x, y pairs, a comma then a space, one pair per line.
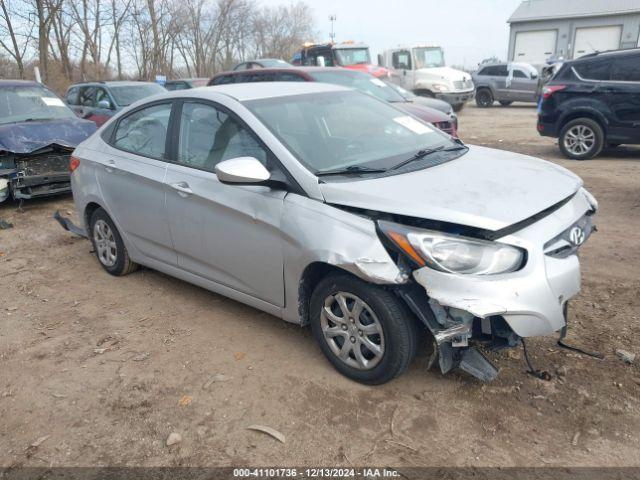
506, 83
325, 206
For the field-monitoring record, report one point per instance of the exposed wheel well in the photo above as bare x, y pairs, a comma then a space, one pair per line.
88, 211
582, 114
424, 92
314, 272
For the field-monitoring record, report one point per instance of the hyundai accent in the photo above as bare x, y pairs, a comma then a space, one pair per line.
330, 208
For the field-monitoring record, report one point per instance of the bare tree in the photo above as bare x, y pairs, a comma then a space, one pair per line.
9, 38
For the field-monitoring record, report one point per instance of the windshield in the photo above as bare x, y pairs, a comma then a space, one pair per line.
352, 56
127, 94
406, 94
429, 57
336, 130
29, 103
360, 81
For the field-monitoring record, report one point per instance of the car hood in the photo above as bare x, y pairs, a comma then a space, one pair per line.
447, 73
427, 114
27, 137
485, 188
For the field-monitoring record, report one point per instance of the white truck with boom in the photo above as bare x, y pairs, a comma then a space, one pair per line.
422, 70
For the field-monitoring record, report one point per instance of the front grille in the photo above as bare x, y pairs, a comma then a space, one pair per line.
463, 84
569, 241
44, 164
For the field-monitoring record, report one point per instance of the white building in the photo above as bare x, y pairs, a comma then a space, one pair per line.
572, 28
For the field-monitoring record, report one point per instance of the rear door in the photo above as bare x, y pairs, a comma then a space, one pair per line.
623, 93
228, 234
131, 180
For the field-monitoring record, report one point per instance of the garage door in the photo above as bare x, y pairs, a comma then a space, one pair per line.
535, 47
596, 39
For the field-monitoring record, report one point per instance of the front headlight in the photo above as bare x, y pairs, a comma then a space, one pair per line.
452, 253
440, 87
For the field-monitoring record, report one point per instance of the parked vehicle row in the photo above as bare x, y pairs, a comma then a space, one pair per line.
329, 207
506, 83
349, 78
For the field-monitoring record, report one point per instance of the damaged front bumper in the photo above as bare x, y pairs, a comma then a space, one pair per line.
503, 308
38, 174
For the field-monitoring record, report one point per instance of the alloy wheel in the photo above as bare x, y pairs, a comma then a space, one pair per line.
579, 140
105, 243
352, 330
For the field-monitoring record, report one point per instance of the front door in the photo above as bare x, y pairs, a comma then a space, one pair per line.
228, 234
131, 178
623, 96
402, 64
523, 88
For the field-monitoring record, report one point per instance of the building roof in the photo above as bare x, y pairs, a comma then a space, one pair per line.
532, 10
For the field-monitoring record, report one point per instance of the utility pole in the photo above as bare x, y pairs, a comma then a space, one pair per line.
332, 19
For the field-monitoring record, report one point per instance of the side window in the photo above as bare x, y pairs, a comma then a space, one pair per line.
290, 77
102, 96
73, 96
87, 96
260, 77
627, 69
402, 60
144, 132
519, 74
501, 71
209, 136
594, 70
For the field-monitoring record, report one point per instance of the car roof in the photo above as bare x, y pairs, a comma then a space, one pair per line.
113, 83
20, 83
259, 90
627, 51
291, 69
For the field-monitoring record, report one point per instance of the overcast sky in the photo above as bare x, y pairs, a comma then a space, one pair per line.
468, 30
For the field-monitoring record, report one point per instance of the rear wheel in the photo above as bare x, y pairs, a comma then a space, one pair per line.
484, 98
505, 103
581, 139
364, 330
108, 245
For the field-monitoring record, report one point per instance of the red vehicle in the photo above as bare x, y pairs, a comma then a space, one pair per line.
354, 56
347, 78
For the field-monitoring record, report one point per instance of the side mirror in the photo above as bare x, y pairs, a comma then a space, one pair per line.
242, 170
104, 104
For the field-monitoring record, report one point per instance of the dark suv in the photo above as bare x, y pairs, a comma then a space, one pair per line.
592, 103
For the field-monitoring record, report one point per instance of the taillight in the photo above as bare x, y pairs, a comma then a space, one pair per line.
74, 162
551, 89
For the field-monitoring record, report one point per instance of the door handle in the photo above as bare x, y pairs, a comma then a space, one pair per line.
109, 164
182, 188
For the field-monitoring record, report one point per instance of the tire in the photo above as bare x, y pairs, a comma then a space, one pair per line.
384, 322
458, 107
505, 103
484, 98
581, 139
108, 245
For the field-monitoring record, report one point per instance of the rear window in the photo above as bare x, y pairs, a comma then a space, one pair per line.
599, 69
223, 80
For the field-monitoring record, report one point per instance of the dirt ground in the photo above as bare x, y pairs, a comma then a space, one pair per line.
100, 370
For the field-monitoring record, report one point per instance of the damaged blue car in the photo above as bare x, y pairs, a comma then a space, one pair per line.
38, 132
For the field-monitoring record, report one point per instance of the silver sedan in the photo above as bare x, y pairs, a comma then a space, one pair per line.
328, 207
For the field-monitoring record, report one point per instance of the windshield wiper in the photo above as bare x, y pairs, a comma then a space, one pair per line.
351, 170
420, 154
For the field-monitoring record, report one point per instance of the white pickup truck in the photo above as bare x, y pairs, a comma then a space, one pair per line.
423, 71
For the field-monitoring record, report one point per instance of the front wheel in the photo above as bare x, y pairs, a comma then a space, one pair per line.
484, 98
581, 139
364, 330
